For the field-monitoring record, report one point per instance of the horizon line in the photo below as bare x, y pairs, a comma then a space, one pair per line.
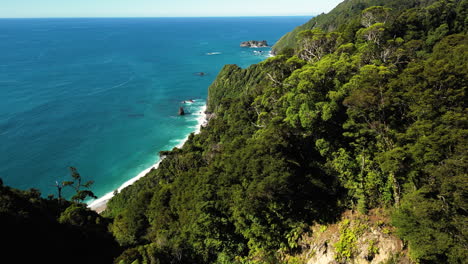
233, 16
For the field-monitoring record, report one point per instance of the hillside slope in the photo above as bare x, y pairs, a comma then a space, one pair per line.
346, 17
349, 146
37, 230
370, 115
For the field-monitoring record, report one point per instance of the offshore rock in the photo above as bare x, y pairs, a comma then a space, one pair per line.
181, 111
254, 44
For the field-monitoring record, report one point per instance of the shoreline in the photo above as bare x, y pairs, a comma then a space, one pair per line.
100, 204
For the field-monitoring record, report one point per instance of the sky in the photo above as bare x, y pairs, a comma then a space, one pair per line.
162, 8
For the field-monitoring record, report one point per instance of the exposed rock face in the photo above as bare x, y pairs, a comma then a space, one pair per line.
210, 115
254, 44
356, 239
181, 111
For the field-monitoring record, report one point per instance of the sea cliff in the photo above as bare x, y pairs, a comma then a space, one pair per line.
346, 147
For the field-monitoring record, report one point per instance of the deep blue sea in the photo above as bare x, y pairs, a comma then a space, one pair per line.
102, 95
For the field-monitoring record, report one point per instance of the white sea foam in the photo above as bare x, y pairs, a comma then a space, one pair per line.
201, 121
213, 53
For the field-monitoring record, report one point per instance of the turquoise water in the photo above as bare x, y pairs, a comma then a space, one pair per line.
102, 95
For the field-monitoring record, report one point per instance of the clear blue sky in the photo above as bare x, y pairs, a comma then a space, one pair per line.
162, 8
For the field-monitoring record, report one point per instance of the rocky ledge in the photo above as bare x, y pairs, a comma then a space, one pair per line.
254, 44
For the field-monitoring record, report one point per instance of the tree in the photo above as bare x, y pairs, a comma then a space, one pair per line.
373, 33
80, 194
375, 14
59, 187
316, 43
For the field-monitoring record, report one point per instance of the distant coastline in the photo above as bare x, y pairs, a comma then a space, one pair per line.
110, 120
100, 204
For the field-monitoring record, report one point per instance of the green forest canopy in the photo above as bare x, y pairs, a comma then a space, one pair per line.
362, 108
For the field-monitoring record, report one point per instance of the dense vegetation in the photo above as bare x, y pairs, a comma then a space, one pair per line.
363, 108
53, 230
346, 18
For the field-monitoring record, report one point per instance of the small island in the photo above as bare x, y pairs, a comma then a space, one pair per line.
254, 44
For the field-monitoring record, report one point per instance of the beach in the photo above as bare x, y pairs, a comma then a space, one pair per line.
100, 204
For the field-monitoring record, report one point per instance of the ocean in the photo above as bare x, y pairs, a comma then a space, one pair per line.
103, 94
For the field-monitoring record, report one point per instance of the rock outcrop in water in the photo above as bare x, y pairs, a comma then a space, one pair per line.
254, 44
181, 111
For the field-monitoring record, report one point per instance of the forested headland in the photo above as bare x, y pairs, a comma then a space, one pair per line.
361, 110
